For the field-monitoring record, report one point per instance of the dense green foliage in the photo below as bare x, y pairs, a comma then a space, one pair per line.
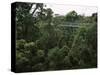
43, 44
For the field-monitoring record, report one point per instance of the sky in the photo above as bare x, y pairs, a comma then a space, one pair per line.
64, 9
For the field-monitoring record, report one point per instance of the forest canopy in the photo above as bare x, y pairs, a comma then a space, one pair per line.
47, 41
